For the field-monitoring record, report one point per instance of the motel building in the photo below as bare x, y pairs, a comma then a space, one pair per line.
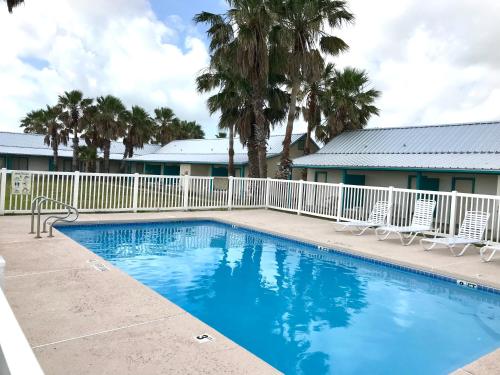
462, 157
195, 157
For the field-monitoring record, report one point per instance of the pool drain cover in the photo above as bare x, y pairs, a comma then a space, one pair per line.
203, 338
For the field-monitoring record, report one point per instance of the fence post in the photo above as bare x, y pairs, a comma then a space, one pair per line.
135, 192
3, 190
268, 190
453, 212
390, 199
301, 195
340, 201
230, 193
76, 188
186, 192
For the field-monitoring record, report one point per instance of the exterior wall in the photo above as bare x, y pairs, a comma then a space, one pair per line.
38, 163
333, 176
34, 163
200, 170
272, 166
295, 152
483, 183
114, 166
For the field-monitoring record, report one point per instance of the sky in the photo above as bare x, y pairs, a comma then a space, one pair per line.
434, 62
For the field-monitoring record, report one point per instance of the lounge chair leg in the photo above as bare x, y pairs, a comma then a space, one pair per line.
427, 248
483, 257
382, 236
362, 231
463, 250
451, 247
410, 237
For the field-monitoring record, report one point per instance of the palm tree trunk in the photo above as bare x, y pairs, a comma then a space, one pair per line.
253, 155
284, 171
261, 132
74, 163
310, 125
123, 164
55, 156
231, 151
107, 148
307, 148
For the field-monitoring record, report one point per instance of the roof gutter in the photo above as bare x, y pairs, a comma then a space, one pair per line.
395, 169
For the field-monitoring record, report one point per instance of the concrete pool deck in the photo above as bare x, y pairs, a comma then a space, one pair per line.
81, 320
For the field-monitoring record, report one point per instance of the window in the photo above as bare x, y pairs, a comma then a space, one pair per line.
300, 144
67, 165
426, 183
152, 169
3, 162
219, 171
20, 164
171, 170
320, 177
412, 182
463, 184
137, 168
354, 179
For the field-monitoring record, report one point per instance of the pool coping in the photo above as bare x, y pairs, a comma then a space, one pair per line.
408, 267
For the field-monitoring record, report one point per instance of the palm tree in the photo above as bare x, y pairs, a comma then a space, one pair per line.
110, 123
241, 35
347, 103
92, 138
88, 155
227, 101
183, 129
45, 121
11, 4
164, 119
72, 106
303, 29
139, 129
313, 91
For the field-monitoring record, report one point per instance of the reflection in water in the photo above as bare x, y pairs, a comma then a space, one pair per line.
302, 310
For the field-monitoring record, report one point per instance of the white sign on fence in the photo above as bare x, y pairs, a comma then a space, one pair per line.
21, 183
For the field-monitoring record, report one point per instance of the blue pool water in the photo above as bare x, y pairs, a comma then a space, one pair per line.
303, 310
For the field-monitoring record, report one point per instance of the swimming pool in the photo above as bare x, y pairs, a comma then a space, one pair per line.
301, 309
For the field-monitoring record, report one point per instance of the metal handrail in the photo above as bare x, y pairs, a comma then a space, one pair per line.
33, 205
41, 200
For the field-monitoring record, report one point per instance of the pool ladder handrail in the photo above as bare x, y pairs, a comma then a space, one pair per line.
37, 203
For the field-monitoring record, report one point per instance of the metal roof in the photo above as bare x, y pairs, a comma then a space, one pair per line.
32, 144
210, 151
204, 151
471, 146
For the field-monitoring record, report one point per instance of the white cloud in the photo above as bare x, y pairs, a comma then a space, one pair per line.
118, 47
435, 62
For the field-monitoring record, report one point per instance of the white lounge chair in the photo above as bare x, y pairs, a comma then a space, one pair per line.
420, 222
471, 232
377, 217
490, 246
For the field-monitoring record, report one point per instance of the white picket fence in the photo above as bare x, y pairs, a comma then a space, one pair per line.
95, 192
